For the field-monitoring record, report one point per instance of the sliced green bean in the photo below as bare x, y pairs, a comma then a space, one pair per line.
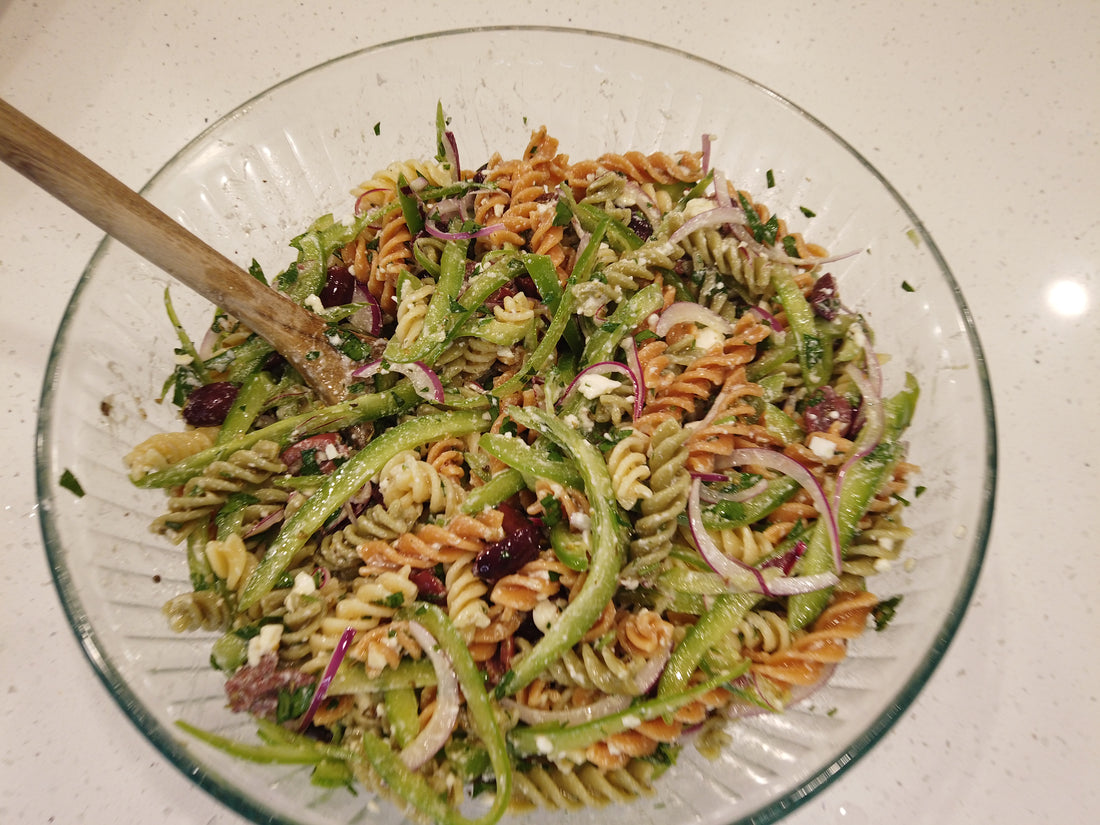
861, 482
353, 411
609, 540
343, 483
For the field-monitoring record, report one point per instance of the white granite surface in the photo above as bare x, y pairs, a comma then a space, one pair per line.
985, 115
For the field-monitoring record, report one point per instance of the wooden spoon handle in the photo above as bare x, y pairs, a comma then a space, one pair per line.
295, 332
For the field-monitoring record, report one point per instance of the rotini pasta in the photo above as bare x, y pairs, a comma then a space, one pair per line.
603, 460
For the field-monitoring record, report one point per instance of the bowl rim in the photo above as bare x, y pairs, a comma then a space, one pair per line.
179, 754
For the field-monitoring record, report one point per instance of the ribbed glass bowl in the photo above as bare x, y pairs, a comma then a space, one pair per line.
259, 175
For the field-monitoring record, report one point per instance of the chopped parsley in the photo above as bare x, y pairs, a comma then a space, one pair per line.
884, 612
291, 704
770, 178
378, 128
809, 213
908, 287
69, 482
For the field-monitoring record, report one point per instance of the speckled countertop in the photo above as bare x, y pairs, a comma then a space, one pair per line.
984, 115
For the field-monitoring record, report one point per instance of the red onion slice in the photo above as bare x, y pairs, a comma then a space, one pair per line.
603, 368
612, 703
447, 702
781, 463
741, 577
319, 694
436, 232
722, 192
719, 216
450, 152
768, 318
712, 496
369, 318
264, 523
689, 312
424, 381
707, 138
647, 677
359, 200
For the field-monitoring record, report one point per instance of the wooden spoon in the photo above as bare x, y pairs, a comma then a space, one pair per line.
295, 332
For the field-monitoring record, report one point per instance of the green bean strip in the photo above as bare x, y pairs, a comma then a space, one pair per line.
772, 359
402, 711
727, 515
500, 487
862, 481
622, 322
582, 271
353, 411
547, 740
815, 352
413, 787
620, 237
343, 483
352, 677
706, 634
542, 272
286, 750
249, 403
440, 315
608, 550
186, 344
517, 453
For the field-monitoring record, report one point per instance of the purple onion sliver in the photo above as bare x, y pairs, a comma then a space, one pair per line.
319, 694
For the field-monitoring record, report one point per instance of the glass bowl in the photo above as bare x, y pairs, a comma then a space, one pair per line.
259, 175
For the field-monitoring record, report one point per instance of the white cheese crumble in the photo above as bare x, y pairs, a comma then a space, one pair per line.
544, 745
267, 641
823, 448
707, 338
544, 615
631, 721
882, 565
304, 585
593, 386
580, 522
314, 303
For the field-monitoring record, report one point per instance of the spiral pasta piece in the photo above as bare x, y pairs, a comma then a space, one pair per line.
670, 482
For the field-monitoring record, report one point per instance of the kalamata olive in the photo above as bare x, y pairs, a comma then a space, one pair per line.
640, 224
824, 297
826, 411
520, 545
339, 288
428, 586
208, 405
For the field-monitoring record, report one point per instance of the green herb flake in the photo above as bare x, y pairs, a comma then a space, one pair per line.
809, 213
257, 271
69, 482
770, 177
378, 128
907, 287
790, 246
394, 600
919, 491
563, 215
551, 510
312, 355
290, 704
884, 612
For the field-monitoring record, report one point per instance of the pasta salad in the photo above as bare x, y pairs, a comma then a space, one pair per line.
614, 468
